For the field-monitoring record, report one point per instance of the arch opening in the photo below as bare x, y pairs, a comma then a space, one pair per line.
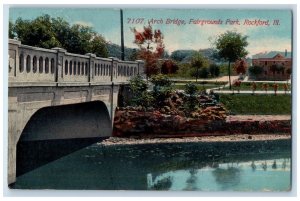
54, 132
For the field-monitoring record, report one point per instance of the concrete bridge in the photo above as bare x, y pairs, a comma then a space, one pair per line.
56, 95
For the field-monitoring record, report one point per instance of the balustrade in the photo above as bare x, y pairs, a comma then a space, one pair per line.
56, 66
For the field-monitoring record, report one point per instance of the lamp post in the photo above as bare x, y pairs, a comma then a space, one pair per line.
122, 36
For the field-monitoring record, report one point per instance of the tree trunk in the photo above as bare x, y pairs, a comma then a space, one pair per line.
229, 75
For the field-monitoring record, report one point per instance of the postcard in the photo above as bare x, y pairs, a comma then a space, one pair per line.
150, 99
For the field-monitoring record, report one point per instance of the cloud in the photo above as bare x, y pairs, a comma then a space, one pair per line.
84, 23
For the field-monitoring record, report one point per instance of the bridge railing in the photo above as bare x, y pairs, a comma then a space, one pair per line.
32, 66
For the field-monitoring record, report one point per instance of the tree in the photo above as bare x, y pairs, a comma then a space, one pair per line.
37, 32
151, 48
198, 61
240, 66
230, 46
214, 70
47, 32
162, 89
140, 95
168, 67
276, 68
191, 91
181, 55
11, 33
255, 70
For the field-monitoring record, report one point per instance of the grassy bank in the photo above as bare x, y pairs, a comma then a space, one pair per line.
201, 85
257, 104
259, 86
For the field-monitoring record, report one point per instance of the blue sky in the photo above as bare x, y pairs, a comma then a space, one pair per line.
188, 36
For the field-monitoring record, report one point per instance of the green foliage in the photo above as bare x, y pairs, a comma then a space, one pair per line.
140, 95
214, 70
255, 70
11, 33
162, 88
184, 70
47, 32
181, 55
199, 64
231, 46
191, 91
160, 80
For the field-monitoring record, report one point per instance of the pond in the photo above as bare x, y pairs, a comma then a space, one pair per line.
259, 166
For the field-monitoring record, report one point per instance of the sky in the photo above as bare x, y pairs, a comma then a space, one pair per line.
106, 21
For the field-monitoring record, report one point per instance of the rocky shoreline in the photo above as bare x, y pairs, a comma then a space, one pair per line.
226, 138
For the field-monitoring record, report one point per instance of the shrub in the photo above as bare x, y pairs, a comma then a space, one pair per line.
191, 91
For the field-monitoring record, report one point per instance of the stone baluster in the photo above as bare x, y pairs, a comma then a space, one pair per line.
13, 62
141, 67
59, 70
91, 67
113, 68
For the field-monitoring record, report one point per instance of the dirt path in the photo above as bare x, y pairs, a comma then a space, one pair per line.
227, 138
258, 117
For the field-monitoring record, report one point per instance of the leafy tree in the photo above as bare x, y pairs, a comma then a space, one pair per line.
276, 68
151, 48
37, 32
230, 46
203, 72
180, 55
214, 70
11, 33
47, 32
198, 61
169, 67
140, 95
134, 55
255, 70
191, 91
240, 66
162, 89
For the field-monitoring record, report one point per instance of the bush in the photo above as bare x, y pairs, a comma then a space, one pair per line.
255, 70
140, 95
191, 91
162, 89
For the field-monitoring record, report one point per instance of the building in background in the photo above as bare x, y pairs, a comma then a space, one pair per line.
275, 65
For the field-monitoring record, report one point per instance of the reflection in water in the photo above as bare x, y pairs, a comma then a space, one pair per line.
228, 177
191, 184
274, 166
253, 166
264, 165
284, 164
190, 166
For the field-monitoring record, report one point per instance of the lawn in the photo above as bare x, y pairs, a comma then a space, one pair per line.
259, 86
200, 85
257, 104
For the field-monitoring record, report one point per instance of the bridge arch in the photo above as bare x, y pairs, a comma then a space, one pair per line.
53, 132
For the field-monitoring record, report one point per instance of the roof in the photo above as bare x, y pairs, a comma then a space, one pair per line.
270, 55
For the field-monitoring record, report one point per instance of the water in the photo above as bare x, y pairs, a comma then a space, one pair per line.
187, 166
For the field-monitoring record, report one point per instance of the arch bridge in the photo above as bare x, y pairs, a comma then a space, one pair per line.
54, 94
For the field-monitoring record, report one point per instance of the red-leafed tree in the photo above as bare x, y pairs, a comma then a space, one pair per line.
168, 67
151, 48
240, 66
